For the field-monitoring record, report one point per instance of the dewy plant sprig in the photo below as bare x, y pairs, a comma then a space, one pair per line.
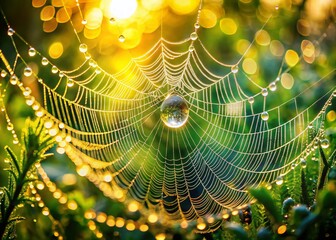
22, 171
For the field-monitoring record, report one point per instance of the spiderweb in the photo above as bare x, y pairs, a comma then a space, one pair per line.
235, 137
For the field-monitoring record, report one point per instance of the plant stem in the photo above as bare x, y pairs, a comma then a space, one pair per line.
324, 172
13, 202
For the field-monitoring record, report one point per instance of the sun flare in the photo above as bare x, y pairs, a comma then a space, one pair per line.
119, 9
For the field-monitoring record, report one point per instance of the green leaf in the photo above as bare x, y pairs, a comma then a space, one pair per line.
25, 200
47, 155
16, 219
28, 180
11, 171
8, 193
14, 159
3, 206
263, 196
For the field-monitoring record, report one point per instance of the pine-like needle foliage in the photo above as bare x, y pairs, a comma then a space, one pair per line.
22, 171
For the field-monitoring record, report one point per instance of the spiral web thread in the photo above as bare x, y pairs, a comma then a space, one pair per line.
109, 125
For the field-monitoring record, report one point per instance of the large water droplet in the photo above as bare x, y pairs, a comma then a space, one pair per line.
31, 52
60, 150
30, 100
121, 38
191, 48
44, 61
70, 82
92, 63
27, 92
45, 211
36, 106
83, 48
39, 113
98, 71
250, 100
264, 116
10, 32
193, 36
48, 124
234, 69
27, 71
264, 92
54, 69
174, 111
87, 56
68, 138
279, 180
13, 79
324, 143
10, 126
272, 86
3, 73
303, 163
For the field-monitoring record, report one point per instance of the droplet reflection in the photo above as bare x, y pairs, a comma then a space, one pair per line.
174, 111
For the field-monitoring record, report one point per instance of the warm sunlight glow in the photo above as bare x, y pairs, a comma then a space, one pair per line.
56, 50
177, 119
94, 18
331, 116
228, 26
120, 9
184, 7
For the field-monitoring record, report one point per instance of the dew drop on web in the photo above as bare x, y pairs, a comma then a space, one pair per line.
174, 111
